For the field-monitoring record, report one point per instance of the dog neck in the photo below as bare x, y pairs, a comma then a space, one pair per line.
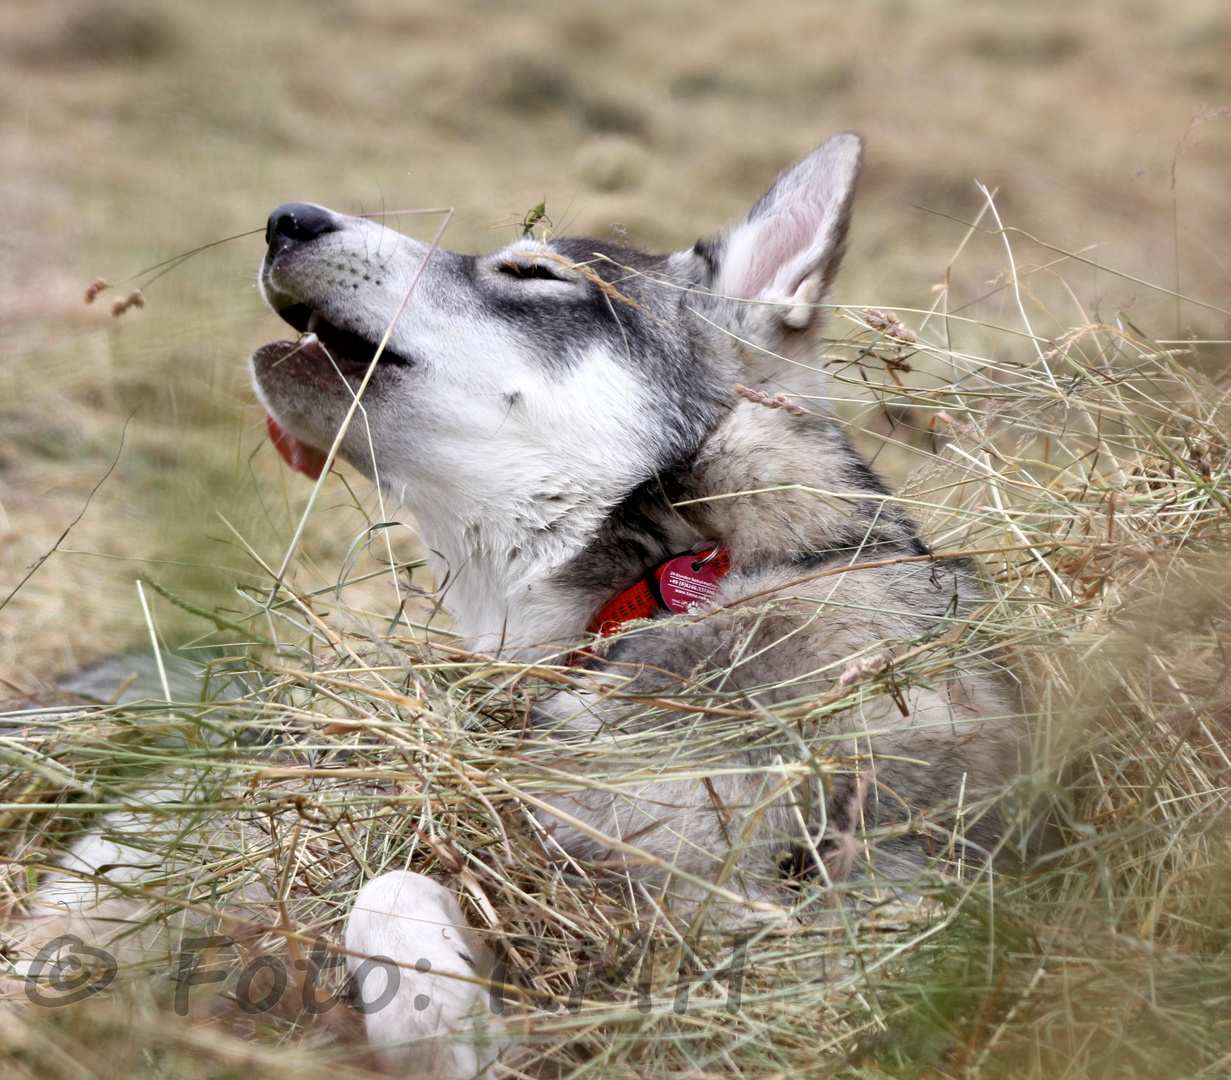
775, 488
496, 565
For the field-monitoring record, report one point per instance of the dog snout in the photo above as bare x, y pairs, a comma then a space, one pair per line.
297, 223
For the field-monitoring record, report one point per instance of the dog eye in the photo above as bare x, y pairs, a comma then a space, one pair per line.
528, 270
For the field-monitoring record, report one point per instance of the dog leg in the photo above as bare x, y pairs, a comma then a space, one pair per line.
426, 1013
85, 902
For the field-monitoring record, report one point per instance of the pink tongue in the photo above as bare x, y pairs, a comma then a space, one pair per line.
298, 455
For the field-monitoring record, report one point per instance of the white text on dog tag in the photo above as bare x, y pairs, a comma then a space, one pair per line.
686, 584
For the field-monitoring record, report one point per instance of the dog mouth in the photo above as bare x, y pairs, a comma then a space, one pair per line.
350, 352
324, 354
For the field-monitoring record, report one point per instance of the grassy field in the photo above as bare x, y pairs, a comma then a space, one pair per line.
131, 133
1066, 398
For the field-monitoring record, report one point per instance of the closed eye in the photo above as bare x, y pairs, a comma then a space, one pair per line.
528, 270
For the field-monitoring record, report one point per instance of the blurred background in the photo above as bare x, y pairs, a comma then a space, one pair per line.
133, 131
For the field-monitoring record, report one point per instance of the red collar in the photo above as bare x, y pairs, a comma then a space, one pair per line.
682, 585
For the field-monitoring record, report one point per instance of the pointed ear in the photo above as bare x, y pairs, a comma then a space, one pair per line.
788, 248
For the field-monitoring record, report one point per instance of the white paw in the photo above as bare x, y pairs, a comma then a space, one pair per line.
427, 1013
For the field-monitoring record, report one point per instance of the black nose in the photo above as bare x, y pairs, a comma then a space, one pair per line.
296, 223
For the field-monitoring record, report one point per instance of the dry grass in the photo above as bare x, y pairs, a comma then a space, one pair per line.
1087, 469
130, 131
1034, 421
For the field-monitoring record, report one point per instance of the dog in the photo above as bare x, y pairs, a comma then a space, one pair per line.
624, 463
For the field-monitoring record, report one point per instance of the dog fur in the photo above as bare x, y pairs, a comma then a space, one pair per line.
561, 416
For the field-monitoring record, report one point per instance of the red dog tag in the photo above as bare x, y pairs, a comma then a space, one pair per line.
687, 583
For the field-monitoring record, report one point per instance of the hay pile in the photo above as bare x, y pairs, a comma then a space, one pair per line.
1087, 472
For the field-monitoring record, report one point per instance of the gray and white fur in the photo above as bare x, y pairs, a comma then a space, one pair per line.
561, 416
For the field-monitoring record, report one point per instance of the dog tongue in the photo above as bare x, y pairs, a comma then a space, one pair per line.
298, 455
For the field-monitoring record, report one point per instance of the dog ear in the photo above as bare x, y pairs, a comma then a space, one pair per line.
787, 250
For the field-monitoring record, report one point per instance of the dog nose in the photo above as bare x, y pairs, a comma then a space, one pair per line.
296, 223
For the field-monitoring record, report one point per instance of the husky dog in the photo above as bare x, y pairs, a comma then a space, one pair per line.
566, 417
581, 432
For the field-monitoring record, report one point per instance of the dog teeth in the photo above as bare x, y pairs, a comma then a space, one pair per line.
308, 340
313, 319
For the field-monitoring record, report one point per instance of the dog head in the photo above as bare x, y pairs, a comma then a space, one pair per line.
523, 384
